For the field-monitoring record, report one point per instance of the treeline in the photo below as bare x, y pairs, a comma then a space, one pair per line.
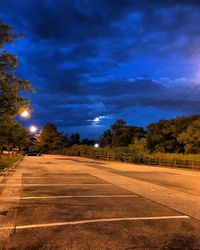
50, 140
173, 143
179, 135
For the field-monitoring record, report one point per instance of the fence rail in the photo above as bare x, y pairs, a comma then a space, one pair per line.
131, 158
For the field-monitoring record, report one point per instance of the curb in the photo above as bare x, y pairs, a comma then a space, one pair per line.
5, 172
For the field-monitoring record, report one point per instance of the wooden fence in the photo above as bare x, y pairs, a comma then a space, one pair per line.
182, 163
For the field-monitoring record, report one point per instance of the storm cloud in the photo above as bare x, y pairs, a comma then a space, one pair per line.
89, 59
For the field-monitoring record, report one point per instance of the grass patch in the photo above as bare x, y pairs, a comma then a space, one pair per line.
6, 161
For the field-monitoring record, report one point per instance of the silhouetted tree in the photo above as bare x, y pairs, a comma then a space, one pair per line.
49, 139
12, 134
122, 135
74, 139
191, 138
106, 139
168, 135
87, 141
10, 87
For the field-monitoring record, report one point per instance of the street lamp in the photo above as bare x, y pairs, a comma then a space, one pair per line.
24, 113
33, 129
96, 145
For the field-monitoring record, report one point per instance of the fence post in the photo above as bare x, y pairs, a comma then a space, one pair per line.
175, 163
107, 156
193, 164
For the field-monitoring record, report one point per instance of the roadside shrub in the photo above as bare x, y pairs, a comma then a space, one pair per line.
135, 153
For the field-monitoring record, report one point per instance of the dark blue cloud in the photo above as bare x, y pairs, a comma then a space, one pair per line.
97, 58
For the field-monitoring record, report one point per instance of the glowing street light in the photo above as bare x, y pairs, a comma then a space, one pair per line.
96, 145
33, 129
25, 113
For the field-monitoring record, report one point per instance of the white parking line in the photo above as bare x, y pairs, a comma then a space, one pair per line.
40, 177
57, 184
95, 221
80, 196
68, 196
44, 173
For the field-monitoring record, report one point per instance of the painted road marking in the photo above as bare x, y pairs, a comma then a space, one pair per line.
66, 172
40, 174
70, 196
41, 177
95, 221
63, 184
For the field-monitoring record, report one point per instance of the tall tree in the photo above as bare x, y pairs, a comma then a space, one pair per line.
10, 87
10, 84
12, 134
49, 139
87, 141
122, 135
164, 136
191, 138
106, 138
117, 133
157, 136
74, 139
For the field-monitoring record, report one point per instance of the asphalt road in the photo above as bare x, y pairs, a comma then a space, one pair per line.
57, 202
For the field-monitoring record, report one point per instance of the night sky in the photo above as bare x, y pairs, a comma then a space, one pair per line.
93, 62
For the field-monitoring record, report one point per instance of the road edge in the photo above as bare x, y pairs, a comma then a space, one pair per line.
5, 172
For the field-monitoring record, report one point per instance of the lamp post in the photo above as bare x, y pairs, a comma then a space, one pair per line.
33, 130
96, 146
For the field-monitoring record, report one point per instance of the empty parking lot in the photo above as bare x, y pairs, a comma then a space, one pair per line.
57, 202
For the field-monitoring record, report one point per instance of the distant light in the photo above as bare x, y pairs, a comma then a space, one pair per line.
25, 113
33, 129
96, 145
